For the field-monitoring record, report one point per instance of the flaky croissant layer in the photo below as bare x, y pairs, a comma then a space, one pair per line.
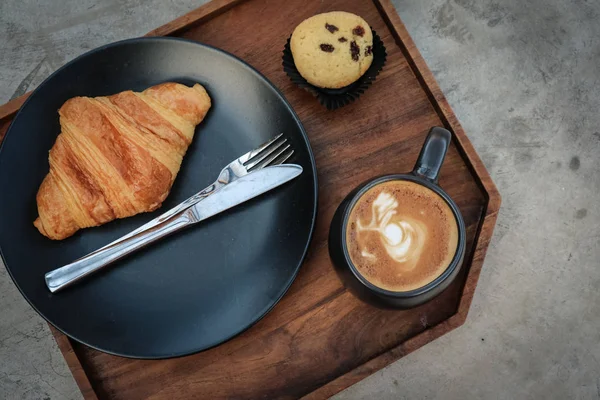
117, 156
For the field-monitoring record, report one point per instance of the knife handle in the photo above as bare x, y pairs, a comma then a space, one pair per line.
65, 276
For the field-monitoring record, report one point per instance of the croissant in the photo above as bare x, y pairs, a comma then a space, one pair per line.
117, 156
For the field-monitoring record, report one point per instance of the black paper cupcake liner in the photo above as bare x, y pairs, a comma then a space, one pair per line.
336, 98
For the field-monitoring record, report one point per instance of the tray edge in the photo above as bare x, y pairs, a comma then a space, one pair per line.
74, 362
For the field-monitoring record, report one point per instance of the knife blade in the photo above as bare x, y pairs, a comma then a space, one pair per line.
244, 189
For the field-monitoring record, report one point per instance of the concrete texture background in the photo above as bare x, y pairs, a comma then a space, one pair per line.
522, 77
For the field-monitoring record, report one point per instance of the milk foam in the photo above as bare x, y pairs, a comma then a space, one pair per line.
402, 238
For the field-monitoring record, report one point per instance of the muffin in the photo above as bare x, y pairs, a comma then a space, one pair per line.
332, 50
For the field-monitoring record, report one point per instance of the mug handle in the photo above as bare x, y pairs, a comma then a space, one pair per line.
432, 154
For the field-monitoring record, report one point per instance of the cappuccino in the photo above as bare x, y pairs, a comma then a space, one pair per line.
401, 235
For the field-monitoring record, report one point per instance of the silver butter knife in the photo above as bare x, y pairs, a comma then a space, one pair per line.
241, 190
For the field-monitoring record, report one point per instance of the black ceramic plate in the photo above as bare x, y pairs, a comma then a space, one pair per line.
193, 290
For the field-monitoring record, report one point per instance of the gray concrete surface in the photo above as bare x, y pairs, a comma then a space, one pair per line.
522, 76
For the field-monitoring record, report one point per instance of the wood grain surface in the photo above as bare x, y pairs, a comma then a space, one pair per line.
319, 339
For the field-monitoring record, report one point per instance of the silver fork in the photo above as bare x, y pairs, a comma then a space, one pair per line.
269, 153
274, 152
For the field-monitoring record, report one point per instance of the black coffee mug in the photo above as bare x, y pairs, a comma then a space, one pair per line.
425, 173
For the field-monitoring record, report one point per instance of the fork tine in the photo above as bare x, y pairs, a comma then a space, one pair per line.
258, 159
283, 158
268, 160
253, 153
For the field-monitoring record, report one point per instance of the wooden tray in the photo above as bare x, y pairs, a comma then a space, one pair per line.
319, 339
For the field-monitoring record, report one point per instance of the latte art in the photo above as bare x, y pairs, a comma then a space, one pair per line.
401, 235
402, 239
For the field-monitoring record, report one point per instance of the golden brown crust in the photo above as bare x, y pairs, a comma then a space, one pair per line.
55, 218
176, 98
117, 156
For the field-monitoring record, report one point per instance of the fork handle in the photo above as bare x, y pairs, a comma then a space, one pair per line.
62, 277
204, 193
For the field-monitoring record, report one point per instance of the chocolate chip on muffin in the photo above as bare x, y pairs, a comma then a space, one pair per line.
354, 50
358, 31
331, 28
